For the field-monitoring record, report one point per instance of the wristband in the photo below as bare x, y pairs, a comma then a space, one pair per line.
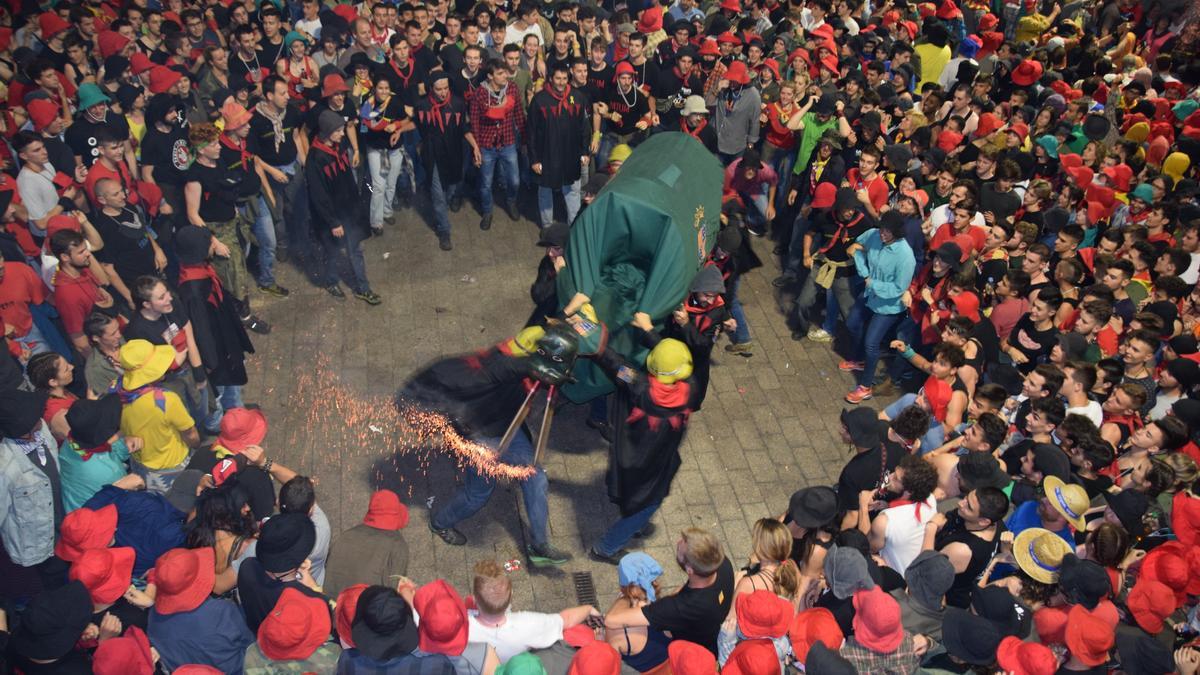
198, 374
908, 353
268, 464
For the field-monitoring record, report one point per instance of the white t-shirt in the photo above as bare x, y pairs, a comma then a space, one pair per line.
1193, 270
944, 214
906, 532
313, 27
38, 194
516, 36
520, 632
1092, 411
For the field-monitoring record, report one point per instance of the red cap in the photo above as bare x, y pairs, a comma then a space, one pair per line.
106, 572
184, 577
920, 197
1100, 202
1151, 603
823, 196
689, 658
62, 222
651, 20
126, 655
223, 469
1088, 637
877, 621
1027, 72
736, 72
42, 112
890, 18
937, 394
948, 140
731, 5
1025, 658
967, 304
625, 68
194, 669
773, 66
813, 625
1167, 566
911, 28
1051, 624
235, 116
162, 78
385, 511
1020, 129
753, 657
708, 47
111, 42
51, 24
294, 629
443, 626
1119, 177
1185, 518
988, 122
987, 22
948, 10
729, 38
347, 12
347, 607
824, 31
926, 10
241, 428
800, 53
1069, 159
333, 84
140, 63
596, 658
1082, 175
762, 614
965, 244
830, 63
84, 529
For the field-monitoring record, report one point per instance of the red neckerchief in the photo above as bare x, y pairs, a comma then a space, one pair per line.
240, 147
701, 314
683, 126
203, 271
339, 157
88, 452
404, 78
435, 112
561, 98
378, 40
673, 395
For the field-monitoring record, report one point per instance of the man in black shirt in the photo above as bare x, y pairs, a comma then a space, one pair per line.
466, 78
129, 247
879, 446
271, 49
970, 537
675, 84
838, 226
445, 132
696, 612
94, 115
165, 153
280, 140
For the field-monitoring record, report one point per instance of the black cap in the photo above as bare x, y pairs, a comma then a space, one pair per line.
383, 627
192, 244
20, 412
93, 422
53, 622
845, 199
970, 638
813, 507
864, 426
555, 235
1130, 507
981, 469
1050, 460
999, 607
950, 253
285, 541
824, 661
1083, 582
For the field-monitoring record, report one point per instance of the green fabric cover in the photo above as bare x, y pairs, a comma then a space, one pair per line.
638, 245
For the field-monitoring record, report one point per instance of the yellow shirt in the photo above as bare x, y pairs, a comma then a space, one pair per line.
1031, 27
159, 429
933, 60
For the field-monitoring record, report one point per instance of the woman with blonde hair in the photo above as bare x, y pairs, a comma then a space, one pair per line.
770, 566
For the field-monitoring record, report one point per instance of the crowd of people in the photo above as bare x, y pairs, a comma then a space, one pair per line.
989, 209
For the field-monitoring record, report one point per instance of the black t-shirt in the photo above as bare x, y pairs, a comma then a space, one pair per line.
1003, 204
463, 86
239, 168
81, 135
695, 614
167, 329
263, 133
167, 153
871, 470
836, 238
599, 82
392, 110
127, 244
1033, 343
62, 158
258, 592
269, 54
218, 192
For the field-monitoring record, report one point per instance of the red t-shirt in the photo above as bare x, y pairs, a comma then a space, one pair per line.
121, 175
57, 405
20, 288
74, 297
877, 187
947, 233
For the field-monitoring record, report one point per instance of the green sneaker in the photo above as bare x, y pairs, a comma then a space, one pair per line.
369, 297
545, 554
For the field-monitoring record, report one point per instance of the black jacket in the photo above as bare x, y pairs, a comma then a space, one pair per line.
332, 190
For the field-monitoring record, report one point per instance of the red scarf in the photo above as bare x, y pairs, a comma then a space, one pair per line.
200, 272
701, 314
563, 106
435, 112
403, 77
683, 126
340, 158
240, 147
673, 395
88, 452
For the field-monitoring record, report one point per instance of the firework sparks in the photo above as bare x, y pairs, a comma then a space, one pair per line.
376, 425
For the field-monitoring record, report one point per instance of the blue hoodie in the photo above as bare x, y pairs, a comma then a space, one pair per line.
888, 270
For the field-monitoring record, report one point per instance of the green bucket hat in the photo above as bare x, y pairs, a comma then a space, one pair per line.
522, 664
1185, 108
90, 95
291, 37
1143, 192
1049, 144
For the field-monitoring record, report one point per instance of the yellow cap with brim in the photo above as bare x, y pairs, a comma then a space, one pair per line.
144, 363
1068, 499
1039, 553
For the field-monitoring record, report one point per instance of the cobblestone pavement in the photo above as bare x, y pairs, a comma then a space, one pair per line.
769, 425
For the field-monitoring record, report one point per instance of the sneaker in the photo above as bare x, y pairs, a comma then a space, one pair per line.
456, 204
276, 290
369, 297
742, 348
256, 324
449, 535
601, 426
756, 232
783, 280
545, 554
514, 213
376, 231
817, 334
485, 223
336, 291
859, 395
614, 559
851, 366
444, 242
647, 530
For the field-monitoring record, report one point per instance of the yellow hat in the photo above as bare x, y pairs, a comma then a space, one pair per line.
144, 363
1175, 165
1068, 499
620, 153
1039, 553
525, 342
1138, 132
670, 361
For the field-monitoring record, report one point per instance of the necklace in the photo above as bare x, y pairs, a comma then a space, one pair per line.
632, 90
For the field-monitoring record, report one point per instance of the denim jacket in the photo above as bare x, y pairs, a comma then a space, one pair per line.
26, 502
888, 270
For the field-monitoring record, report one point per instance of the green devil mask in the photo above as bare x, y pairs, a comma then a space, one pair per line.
555, 355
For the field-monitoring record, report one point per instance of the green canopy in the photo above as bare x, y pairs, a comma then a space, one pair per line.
640, 242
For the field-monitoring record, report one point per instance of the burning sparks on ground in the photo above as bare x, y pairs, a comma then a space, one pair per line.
358, 425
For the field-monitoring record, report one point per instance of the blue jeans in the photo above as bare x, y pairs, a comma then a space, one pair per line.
229, 396
756, 207
934, 437
385, 167
507, 156
264, 232
620, 532
868, 333
477, 489
908, 331
742, 332
441, 195
291, 200
545, 198
351, 243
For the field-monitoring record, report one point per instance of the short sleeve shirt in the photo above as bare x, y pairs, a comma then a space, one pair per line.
167, 153
127, 244
19, 288
695, 614
158, 427
263, 132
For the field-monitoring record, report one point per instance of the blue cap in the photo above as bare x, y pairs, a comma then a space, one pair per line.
639, 568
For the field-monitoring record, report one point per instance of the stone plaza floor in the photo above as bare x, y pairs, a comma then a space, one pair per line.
326, 374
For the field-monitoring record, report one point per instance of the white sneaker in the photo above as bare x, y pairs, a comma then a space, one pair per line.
819, 335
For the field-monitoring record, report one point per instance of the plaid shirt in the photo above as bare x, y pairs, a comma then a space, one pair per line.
491, 133
903, 661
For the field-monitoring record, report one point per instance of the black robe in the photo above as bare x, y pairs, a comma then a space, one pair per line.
700, 335
333, 195
480, 393
544, 292
648, 422
559, 135
443, 127
220, 335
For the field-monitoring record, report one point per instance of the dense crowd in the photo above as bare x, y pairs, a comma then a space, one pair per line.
990, 208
